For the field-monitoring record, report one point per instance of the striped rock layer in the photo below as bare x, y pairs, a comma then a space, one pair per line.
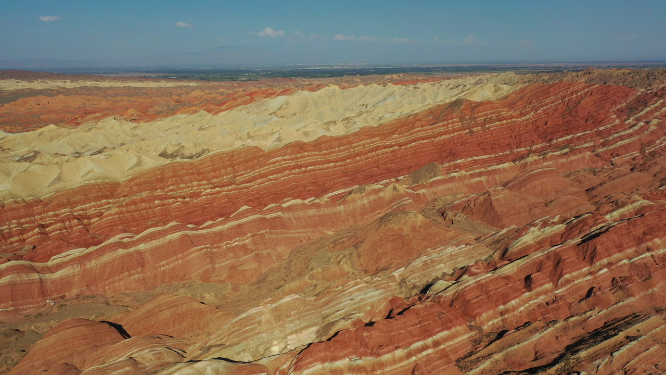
483, 225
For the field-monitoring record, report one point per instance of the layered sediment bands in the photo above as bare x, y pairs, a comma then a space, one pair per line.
500, 228
82, 346
565, 308
52, 158
219, 185
635, 78
30, 100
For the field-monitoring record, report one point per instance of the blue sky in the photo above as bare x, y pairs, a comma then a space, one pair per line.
339, 31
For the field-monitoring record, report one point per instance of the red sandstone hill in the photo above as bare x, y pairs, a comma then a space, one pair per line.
31, 100
487, 225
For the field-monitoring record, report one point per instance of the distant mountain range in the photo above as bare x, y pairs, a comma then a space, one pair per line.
225, 55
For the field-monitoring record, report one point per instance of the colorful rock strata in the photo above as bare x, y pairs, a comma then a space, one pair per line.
491, 224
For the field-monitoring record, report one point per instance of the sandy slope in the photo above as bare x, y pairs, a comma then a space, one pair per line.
50, 159
519, 235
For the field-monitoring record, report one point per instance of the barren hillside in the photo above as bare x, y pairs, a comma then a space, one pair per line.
488, 224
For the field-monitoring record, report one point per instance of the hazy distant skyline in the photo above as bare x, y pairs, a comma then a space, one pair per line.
339, 31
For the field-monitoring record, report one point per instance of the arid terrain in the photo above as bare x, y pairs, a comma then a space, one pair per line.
384, 224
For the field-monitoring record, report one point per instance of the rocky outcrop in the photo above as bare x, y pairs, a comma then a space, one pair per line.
636, 78
52, 159
483, 228
31, 100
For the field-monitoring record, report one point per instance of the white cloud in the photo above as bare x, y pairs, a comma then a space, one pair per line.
470, 41
269, 32
352, 38
525, 43
372, 39
223, 40
403, 40
154, 37
49, 18
467, 41
183, 24
342, 38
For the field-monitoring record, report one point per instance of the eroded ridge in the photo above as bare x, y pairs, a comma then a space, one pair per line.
505, 228
50, 159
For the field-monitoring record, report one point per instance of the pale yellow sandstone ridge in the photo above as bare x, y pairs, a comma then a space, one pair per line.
114, 148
